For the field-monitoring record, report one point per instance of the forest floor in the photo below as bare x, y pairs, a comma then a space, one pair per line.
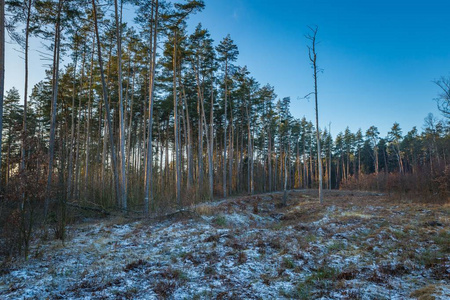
358, 245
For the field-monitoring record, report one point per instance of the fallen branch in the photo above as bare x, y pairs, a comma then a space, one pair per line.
99, 210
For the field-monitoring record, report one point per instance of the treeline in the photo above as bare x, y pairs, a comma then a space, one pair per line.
150, 116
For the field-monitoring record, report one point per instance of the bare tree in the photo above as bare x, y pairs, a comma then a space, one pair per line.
313, 59
443, 99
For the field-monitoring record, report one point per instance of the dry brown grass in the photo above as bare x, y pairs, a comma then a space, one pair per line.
425, 293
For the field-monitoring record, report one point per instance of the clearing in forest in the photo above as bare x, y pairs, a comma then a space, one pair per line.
358, 245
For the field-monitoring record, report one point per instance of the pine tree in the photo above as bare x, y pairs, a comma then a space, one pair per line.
228, 53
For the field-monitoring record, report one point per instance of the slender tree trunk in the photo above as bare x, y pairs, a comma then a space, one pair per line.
130, 123
375, 150
2, 76
123, 188
8, 156
105, 100
275, 171
188, 130
305, 166
331, 166
148, 195
208, 136
25, 92
359, 163
230, 154
88, 125
285, 179
166, 161
55, 80
313, 59
252, 171
106, 128
326, 169
211, 146
225, 133
176, 129
72, 127
269, 161
338, 162
386, 170
311, 169
77, 142
249, 150
200, 143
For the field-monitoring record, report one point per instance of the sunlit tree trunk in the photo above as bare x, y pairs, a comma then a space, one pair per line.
55, 79
285, 178
105, 100
313, 59
123, 187
148, 194
211, 146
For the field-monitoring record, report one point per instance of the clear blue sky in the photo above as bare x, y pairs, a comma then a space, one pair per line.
379, 57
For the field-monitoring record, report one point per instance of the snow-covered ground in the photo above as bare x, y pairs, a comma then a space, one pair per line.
356, 246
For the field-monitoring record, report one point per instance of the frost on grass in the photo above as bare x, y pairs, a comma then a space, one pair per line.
359, 245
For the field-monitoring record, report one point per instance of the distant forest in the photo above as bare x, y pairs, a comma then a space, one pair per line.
148, 117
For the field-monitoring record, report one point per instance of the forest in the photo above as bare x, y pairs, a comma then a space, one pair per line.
146, 118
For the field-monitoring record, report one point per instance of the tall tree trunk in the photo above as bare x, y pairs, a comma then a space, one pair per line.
188, 130
211, 146
176, 129
200, 144
2, 76
130, 122
55, 80
88, 125
225, 133
123, 186
298, 165
72, 125
305, 166
330, 167
108, 112
285, 179
105, 122
269, 160
313, 59
201, 108
249, 150
88, 128
359, 163
230, 154
148, 194
25, 92
326, 170
77, 142
376, 161
275, 171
